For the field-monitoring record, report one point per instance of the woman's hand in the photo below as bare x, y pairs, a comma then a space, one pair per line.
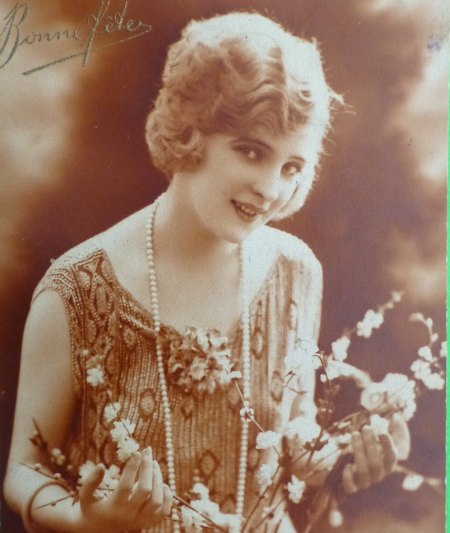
375, 458
140, 500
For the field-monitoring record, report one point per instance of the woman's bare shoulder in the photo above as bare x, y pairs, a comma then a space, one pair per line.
118, 239
280, 243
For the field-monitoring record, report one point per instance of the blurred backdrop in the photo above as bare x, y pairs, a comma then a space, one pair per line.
73, 161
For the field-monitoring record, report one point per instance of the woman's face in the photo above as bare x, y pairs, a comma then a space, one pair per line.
244, 181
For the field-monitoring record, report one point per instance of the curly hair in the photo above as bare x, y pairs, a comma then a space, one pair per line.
232, 74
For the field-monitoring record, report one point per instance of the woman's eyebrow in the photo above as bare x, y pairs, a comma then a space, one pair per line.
255, 141
266, 146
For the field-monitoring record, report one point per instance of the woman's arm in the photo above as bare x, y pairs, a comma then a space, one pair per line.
46, 395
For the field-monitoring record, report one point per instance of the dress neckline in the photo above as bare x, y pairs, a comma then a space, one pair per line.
233, 330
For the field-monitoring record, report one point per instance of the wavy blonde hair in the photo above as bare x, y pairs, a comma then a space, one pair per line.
233, 74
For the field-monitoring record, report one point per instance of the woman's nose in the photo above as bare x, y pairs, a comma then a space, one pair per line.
267, 184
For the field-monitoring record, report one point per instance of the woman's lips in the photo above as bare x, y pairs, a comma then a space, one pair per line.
247, 212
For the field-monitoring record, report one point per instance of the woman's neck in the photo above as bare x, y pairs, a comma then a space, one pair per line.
179, 235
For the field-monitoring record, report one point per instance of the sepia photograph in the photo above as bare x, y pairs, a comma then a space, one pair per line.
223, 266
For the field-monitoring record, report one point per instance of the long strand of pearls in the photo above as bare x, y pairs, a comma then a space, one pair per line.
240, 491
170, 456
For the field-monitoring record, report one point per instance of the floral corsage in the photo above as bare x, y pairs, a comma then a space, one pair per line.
199, 361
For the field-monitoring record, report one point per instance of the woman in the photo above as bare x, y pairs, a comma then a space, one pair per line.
118, 345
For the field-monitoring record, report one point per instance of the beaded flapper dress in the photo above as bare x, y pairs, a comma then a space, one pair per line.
108, 322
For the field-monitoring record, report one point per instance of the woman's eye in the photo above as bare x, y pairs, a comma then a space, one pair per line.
250, 153
291, 169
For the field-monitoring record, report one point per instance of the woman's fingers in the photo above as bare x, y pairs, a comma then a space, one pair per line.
158, 486
167, 502
142, 490
361, 466
389, 452
90, 484
374, 455
348, 481
398, 428
373, 458
159, 503
128, 477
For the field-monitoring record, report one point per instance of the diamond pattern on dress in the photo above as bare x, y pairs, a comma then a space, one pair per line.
147, 403
208, 464
188, 406
233, 398
258, 343
252, 459
276, 386
228, 504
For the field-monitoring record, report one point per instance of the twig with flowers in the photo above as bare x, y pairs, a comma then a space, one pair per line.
306, 449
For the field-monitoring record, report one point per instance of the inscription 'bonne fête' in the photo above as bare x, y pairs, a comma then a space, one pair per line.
13, 37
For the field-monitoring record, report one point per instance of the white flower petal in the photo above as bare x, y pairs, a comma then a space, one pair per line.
296, 488
412, 482
267, 439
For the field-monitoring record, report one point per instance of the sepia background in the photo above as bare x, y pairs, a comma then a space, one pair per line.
73, 161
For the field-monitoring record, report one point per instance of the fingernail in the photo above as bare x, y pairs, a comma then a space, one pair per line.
367, 429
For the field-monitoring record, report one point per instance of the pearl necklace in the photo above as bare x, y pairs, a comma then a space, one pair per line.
240, 490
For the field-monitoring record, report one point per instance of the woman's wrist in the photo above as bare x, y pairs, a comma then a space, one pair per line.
50, 508
27, 515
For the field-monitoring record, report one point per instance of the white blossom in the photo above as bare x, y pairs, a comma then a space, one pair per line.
217, 342
417, 317
201, 491
443, 351
95, 376
396, 296
326, 457
226, 377
396, 391
296, 488
264, 477
301, 355
434, 381
247, 412
122, 429
232, 522
317, 362
421, 369
305, 428
85, 469
198, 369
425, 353
267, 439
335, 518
379, 425
340, 369
126, 448
111, 411
372, 320
412, 482
207, 507
111, 477
58, 457
339, 348
192, 521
